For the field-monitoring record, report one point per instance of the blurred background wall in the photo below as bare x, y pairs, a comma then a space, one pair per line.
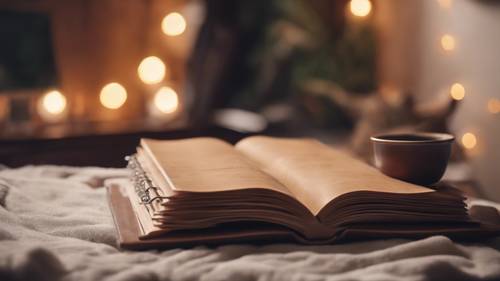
339, 71
430, 46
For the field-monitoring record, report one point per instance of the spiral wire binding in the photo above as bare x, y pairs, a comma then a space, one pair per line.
143, 186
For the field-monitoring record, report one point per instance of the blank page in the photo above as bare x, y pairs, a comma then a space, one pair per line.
206, 165
316, 173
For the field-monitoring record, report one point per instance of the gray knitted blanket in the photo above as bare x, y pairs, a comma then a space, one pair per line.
55, 225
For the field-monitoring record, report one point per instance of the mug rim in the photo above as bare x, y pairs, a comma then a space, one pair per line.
432, 138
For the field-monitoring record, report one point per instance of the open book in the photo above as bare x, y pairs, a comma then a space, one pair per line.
204, 190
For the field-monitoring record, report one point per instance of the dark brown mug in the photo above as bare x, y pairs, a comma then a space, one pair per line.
419, 158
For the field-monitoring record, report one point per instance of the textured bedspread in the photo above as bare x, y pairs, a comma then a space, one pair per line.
55, 224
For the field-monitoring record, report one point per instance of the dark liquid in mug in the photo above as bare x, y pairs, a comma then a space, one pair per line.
408, 138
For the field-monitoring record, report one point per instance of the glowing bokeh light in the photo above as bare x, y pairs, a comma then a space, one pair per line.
469, 140
54, 102
448, 42
457, 91
445, 3
494, 106
360, 8
173, 24
151, 70
166, 100
113, 95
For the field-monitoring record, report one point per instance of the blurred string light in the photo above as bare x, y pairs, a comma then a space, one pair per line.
173, 24
448, 42
457, 91
113, 95
445, 3
4, 108
166, 100
151, 70
54, 102
469, 140
360, 8
493, 106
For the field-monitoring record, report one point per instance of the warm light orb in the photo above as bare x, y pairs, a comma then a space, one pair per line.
360, 8
469, 140
151, 70
113, 95
445, 3
494, 106
166, 100
173, 24
457, 91
448, 42
54, 102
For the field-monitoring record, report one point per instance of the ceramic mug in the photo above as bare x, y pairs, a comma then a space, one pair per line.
419, 158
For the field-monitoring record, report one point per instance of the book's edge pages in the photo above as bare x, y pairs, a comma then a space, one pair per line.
128, 230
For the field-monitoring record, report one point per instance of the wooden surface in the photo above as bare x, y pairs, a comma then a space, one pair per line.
107, 150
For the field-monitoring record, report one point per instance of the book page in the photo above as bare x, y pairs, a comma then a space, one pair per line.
316, 173
206, 165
